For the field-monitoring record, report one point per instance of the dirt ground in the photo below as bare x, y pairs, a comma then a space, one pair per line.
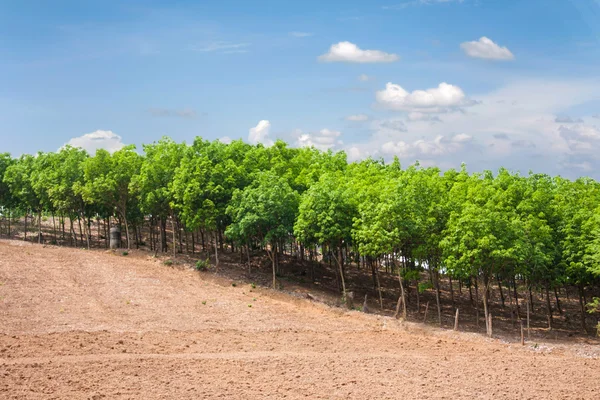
77, 324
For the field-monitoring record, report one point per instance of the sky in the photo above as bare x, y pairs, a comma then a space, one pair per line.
489, 83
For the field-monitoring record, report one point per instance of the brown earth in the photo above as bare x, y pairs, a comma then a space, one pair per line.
79, 324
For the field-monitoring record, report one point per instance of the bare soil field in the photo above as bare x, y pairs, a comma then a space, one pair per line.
77, 324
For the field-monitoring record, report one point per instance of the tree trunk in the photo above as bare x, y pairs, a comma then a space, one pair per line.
127, 231
341, 272
500, 289
582, 308
174, 240
437, 295
485, 303
163, 234
402, 295
217, 254
271, 255
40, 226
451, 290
557, 301
25, 237
80, 228
477, 301
54, 228
548, 306
516, 293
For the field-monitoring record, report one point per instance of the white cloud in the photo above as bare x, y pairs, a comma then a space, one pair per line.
98, 140
357, 117
225, 139
260, 133
514, 126
487, 49
300, 34
323, 140
365, 78
440, 145
441, 99
351, 53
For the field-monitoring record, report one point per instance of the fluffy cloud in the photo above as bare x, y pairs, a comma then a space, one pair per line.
581, 138
441, 99
225, 139
440, 145
260, 133
351, 53
166, 112
514, 126
357, 117
99, 139
323, 140
485, 48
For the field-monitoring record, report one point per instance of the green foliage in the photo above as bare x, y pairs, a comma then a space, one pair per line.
543, 230
168, 263
202, 265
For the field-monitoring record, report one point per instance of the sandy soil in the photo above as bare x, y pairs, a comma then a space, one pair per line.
79, 324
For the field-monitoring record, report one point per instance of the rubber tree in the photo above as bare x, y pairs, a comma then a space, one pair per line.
264, 211
325, 217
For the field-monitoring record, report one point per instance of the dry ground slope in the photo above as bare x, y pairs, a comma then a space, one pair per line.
80, 324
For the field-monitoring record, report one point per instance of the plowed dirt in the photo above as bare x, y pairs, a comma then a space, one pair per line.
77, 324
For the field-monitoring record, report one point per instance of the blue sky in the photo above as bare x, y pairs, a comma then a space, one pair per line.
487, 82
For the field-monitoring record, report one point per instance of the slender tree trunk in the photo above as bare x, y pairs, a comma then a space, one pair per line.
418, 295
127, 230
271, 255
582, 308
516, 293
80, 229
437, 295
548, 306
557, 301
341, 272
512, 309
451, 290
500, 289
163, 234
73, 234
402, 295
378, 286
54, 228
477, 301
174, 240
217, 253
40, 226
25, 237
485, 303
88, 232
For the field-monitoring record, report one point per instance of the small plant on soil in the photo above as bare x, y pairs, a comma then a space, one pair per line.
202, 265
250, 305
234, 284
168, 263
204, 302
253, 285
594, 307
125, 253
